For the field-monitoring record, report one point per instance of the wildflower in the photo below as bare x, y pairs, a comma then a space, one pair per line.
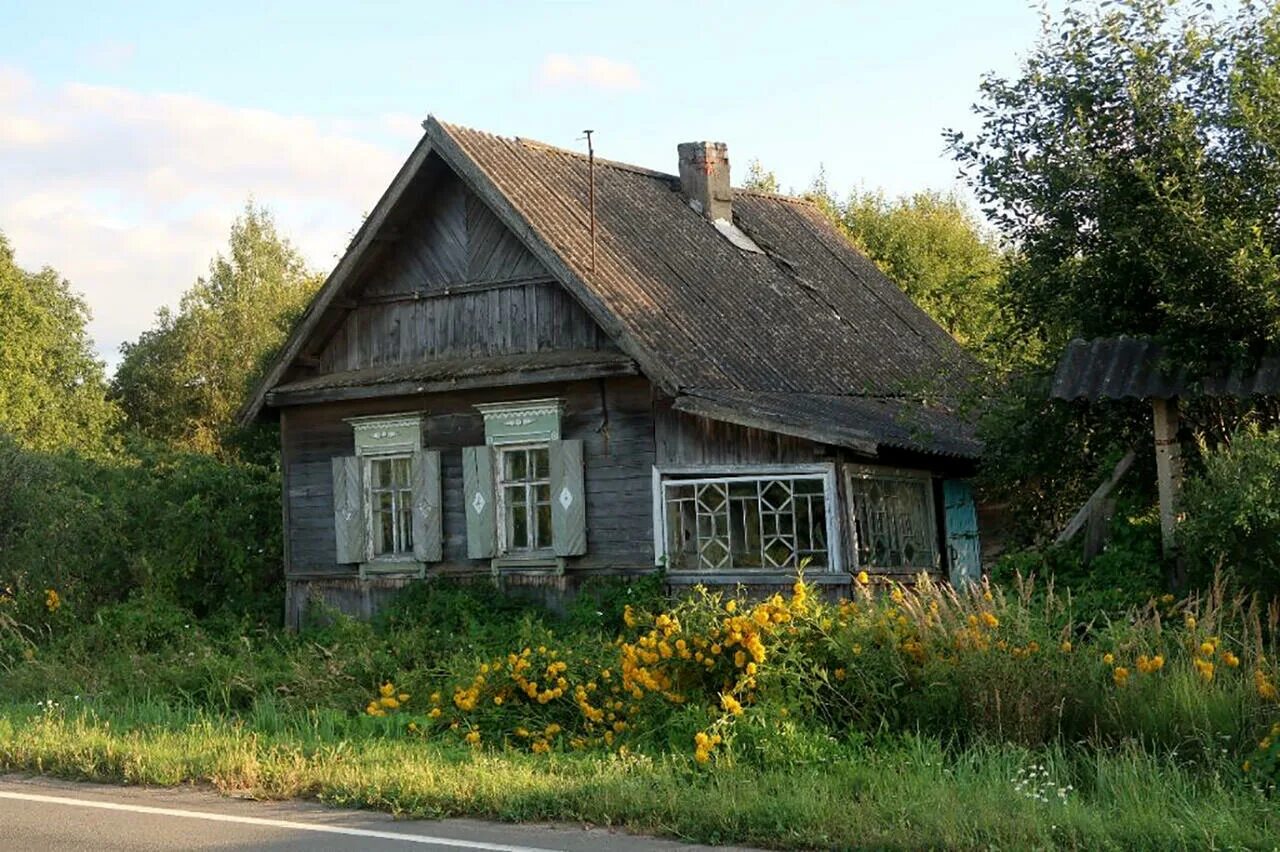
1266, 689
739, 659
839, 674
731, 606
52, 600
435, 713
1066, 647
403, 697
1207, 649
1108, 658
386, 690
472, 737
390, 703
896, 595
1191, 622
1120, 676
990, 620
497, 699
731, 704
862, 578
1166, 598
1231, 660
1204, 668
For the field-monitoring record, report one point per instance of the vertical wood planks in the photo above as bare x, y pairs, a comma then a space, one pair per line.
479, 502
568, 499
348, 510
428, 519
964, 553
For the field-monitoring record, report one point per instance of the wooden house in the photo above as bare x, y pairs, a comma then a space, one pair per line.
540, 368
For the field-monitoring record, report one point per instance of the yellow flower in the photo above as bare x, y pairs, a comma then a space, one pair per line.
497, 699
1207, 649
739, 659
1230, 659
1066, 647
472, 737
1191, 622
990, 620
52, 600
862, 578
729, 703
839, 674
403, 697
731, 606
435, 713
1120, 676
390, 703
896, 595
1204, 668
1166, 599
1108, 658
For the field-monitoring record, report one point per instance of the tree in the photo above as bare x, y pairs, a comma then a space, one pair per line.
936, 251
52, 391
759, 179
1135, 165
183, 380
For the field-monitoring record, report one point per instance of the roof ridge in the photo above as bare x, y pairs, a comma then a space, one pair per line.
616, 164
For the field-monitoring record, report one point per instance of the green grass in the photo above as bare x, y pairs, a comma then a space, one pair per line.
893, 792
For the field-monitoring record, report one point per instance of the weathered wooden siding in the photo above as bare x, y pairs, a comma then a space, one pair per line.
456, 283
687, 439
613, 419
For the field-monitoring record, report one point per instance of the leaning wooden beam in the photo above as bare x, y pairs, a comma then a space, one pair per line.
1096, 499
1168, 469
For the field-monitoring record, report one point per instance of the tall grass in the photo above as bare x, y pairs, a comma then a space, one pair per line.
883, 792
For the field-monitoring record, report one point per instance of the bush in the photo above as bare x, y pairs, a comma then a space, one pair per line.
1232, 513
189, 528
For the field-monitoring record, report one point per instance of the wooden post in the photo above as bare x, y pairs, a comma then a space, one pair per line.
1168, 469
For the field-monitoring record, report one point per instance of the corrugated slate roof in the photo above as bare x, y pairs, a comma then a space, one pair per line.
1137, 368
811, 315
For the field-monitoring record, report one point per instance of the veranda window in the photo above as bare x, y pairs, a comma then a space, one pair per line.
748, 523
892, 514
391, 505
525, 487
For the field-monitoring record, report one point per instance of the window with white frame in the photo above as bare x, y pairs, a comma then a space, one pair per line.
893, 521
390, 502
524, 489
771, 521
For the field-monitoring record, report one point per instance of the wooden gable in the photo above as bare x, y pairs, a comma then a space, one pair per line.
454, 282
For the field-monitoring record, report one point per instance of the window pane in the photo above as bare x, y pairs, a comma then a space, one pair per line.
541, 463
400, 470
515, 465
544, 525
381, 469
383, 531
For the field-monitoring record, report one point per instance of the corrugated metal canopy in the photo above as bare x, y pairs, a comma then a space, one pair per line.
1137, 368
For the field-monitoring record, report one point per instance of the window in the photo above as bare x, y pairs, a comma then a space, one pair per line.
892, 515
524, 483
386, 498
390, 504
734, 523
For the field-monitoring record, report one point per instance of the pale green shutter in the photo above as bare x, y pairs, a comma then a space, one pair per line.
568, 499
479, 504
348, 510
427, 528
964, 553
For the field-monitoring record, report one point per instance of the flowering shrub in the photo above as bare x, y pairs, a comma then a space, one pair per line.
727, 678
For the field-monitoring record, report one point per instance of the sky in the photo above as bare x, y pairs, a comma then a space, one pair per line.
131, 135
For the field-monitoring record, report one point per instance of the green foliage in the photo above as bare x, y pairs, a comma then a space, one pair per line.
52, 391
183, 381
180, 526
1132, 164
938, 252
760, 179
1232, 513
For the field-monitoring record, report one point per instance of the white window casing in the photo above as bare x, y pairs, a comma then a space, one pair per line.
747, 519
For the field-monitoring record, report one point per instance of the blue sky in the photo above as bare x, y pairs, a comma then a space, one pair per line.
130, 135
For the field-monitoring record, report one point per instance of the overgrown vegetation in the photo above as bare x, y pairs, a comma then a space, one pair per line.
1013, 698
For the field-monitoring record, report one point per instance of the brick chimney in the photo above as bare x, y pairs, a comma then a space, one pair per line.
704, 178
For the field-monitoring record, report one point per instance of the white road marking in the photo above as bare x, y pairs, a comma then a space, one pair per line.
272, 823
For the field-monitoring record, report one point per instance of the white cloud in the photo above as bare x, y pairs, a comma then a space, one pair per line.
129, 194
596, 72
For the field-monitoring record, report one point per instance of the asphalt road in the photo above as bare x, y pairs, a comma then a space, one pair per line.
42, 815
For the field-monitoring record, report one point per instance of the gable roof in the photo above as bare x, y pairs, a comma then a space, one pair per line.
809, 315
